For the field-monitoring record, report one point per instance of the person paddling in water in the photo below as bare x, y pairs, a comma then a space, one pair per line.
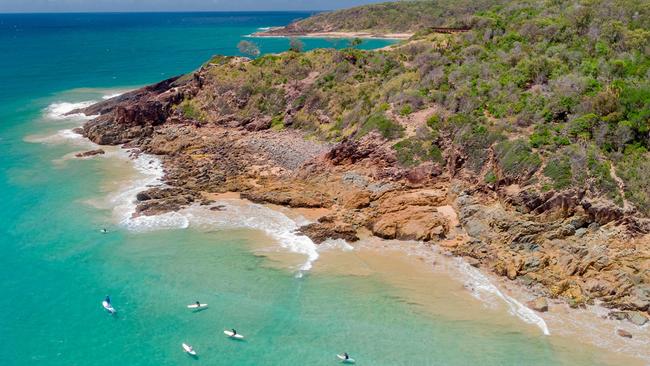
108, 300
104, 231
198, 304
345, 354
234, 332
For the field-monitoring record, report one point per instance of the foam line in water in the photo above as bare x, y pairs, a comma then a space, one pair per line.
60, 110
482, 286
60, 137
111, 96
150, 172
241, 214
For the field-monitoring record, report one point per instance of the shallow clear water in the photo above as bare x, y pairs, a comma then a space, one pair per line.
55, 267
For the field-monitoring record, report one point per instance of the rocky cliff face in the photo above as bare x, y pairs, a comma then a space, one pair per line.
562, 244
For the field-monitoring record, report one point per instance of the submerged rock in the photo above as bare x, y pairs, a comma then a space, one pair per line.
624, 333
539, 304
90, 153
318, 232
637, 318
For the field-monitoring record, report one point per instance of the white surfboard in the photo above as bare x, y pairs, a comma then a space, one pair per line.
230, 334
195, 306
108, 307
349, 360
187, 348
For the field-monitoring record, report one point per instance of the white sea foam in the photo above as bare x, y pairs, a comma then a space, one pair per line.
61, 136
335, 244
111, 96
235, 214
124, 204
238, 214
483, 289
60, 110
242, 214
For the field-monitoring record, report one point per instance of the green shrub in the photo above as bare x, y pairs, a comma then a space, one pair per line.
634, 170
474, 138
541, 137
516, 160
559, 171
413, 151
434, 122
583, 126
600, 171
406, 110
490, 178
379, 122
277, 123
190, 110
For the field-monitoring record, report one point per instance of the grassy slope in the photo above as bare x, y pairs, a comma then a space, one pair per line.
558, 90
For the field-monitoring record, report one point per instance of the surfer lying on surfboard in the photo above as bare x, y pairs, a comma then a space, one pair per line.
345, 358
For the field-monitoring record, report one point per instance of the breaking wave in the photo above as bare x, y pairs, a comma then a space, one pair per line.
483, 289
60, 110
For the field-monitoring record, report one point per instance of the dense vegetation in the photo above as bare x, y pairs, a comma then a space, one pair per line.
556, 92
398, 16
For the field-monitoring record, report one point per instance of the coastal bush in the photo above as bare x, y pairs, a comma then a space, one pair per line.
415, 150
516, 160
296, 45
190, 110
473, 137
379, 122
400, 16
490, 177
248, 48
634, 170
277, 123
558, 169
602, 181
567, 84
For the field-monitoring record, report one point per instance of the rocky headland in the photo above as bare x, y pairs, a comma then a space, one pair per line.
279, 130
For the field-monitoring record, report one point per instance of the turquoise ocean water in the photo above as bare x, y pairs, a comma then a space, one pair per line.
55, 267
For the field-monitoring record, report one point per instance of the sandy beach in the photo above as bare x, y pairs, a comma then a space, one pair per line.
362, 35
435, 283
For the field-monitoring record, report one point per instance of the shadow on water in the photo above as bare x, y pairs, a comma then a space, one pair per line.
242, 340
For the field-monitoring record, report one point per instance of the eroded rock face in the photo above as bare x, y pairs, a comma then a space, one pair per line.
132, 115
290, 196
411, 223
574, 257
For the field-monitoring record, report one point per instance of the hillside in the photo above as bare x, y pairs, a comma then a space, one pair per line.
389, 17
534, 126
558, 92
